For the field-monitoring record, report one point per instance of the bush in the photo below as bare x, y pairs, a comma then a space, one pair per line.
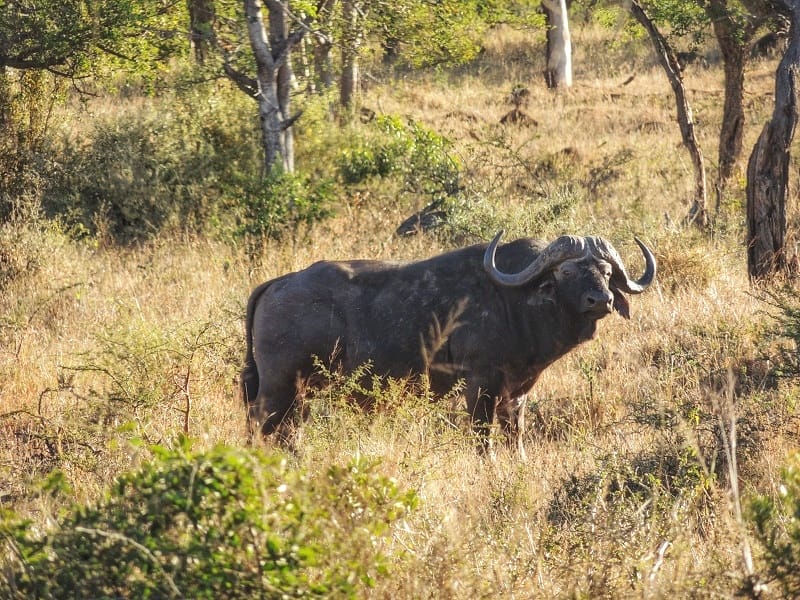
668, 480
280, 203
137, 173
420, 156
785, 328
777, 530
226, 523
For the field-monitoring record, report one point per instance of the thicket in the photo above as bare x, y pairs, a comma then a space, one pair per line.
227, 522
777, 528
193, 166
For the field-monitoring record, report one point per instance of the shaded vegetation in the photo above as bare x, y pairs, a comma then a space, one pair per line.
134, 223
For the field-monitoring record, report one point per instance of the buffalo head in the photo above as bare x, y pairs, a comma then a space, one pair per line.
584, 275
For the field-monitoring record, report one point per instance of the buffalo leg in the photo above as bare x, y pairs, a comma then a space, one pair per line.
480, 407
511, 416
273, 410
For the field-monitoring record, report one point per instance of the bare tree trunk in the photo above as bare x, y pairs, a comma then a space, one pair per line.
271, 87
732, 129
348, 84
202, 14
733, 35
768, 168
558, 72
698, 213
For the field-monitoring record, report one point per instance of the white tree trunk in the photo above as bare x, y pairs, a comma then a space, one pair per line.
273, 78
559, 44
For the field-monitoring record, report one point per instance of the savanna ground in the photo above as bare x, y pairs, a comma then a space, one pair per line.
627, 490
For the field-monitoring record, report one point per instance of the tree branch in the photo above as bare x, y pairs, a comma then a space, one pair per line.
246, 84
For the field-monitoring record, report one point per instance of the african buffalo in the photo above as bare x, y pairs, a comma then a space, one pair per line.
491, 318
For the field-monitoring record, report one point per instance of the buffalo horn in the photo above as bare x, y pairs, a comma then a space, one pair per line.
619, 277
566, 247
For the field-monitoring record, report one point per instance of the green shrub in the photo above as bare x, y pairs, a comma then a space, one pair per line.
279, 203
226, 523
785, 328
669, 479
421, 157
143, 171
27, 100
777, 530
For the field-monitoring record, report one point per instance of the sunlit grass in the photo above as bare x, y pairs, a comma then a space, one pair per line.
485, 528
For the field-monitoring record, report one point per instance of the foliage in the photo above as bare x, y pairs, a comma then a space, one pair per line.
142, 172
785, 314
280, 203
419, 155
227, 522
776, 521
670, 478
684, 17
424, 34
75, 38
48, 44
27, 100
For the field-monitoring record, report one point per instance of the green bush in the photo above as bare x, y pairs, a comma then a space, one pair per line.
279, 203
225, 523
785, 312
777, 530
668, 480
143, 171
421, 157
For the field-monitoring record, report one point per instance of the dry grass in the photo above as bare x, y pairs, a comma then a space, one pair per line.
632, 409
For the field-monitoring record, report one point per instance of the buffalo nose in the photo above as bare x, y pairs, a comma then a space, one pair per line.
598, 301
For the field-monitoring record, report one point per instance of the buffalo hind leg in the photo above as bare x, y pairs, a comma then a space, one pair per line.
275, 411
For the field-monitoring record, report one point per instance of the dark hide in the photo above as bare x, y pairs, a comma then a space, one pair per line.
500, 339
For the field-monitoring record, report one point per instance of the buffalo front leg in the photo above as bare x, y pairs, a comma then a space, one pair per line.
511, 416
480, 407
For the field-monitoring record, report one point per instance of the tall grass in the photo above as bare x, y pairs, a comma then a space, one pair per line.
106, 349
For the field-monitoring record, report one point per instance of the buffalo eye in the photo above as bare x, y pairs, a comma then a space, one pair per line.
568, 269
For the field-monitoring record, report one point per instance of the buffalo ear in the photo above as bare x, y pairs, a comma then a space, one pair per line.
545, 293
621, 303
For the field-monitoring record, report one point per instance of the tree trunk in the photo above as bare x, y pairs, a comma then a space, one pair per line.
323, 44
279, 34
559, 45
323, 66
768, 168
271, 87
201, 24
732, 129
733, 38
698, 213
348, 84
